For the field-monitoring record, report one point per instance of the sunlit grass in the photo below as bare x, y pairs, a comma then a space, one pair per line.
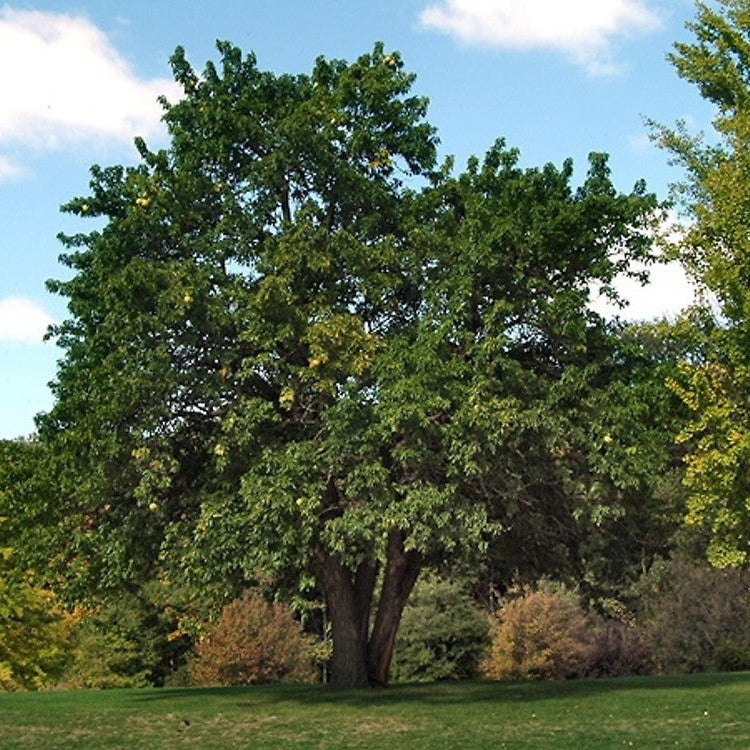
695, 711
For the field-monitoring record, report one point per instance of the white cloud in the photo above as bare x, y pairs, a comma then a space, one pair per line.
669, 289
668, 292
640, 144
21, 320
581, 29
8, 169
63, 81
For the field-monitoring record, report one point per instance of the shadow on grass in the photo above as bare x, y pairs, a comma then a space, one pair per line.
448, 692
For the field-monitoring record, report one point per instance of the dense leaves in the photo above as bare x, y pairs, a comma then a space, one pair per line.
716, 250
32, 630
254, 641
29, 501
132, 641
695, 618
299, 349
540, 635
443, 634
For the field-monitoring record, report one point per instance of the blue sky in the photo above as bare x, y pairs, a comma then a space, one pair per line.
79, 80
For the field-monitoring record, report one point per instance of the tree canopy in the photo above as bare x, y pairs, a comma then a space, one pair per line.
299, 348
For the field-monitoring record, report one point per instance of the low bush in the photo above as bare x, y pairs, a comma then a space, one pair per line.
542, 634
443, 634
254, 641
695, 617
616, 650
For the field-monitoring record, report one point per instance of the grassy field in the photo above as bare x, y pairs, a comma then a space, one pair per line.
696, 711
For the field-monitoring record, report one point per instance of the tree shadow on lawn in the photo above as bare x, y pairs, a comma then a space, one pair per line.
449, 692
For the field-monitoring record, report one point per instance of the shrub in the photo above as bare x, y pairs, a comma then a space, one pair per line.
695, 617
616, 650
443, 634
540, 635
254, 642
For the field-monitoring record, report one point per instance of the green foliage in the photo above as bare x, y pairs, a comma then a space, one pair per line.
543, 634
443, 634
600, 492
624, 463
102, 656
29, 497
132, 641
254, 642
716, 250
32, 631
282, 352
717, 466
696, 618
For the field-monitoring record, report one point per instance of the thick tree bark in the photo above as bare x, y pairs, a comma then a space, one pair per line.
401, 573
358, 661
349, 599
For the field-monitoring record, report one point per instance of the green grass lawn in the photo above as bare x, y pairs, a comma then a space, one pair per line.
696, 711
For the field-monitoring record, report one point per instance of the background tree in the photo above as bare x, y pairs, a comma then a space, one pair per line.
33, 626
33, 632
716, 250
132, 640
298, 349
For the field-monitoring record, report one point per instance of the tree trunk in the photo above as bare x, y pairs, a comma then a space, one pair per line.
401, 573
349, 599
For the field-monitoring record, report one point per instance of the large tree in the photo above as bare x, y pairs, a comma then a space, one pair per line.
298, 349
716, 250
